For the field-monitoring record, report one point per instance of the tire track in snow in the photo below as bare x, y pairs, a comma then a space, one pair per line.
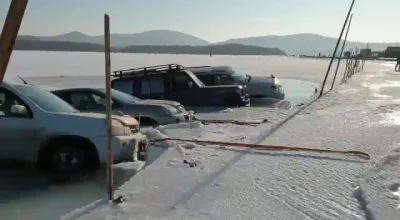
372, 190
266, 192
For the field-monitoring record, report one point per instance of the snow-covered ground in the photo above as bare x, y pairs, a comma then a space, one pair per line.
233, 183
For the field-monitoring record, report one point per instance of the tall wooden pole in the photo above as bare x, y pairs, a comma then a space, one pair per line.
10, 32
337, 45
341, 52
108, 105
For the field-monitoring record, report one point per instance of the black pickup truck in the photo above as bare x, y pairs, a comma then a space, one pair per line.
174, 82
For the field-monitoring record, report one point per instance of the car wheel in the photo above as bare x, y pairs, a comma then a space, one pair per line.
68, 160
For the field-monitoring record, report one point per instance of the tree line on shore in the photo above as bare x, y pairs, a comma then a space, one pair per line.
216, 49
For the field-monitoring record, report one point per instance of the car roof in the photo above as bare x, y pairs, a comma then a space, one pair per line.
210, 69
76, 89
8, 85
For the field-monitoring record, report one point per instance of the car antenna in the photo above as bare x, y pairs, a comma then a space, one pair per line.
26, 83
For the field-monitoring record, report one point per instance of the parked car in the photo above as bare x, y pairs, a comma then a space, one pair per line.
37, 126
174, 82
152, 112
256, 86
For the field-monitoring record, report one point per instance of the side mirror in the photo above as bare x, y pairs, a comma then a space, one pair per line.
190, 84
19, 110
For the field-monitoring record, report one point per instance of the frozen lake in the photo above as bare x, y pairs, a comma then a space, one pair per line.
31, 197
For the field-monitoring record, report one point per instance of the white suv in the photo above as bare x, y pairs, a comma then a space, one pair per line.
37, 126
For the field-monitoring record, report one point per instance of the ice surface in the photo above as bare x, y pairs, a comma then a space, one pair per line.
191, 181
233, 183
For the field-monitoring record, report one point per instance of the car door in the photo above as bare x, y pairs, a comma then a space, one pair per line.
18, 132
179, 89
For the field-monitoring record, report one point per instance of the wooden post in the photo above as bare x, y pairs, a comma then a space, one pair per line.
337, 45
9, 33
341, 52
108, 106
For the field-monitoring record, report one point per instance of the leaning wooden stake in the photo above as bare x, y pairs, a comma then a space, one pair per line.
9, 33
341, 52
108, 106
336, 47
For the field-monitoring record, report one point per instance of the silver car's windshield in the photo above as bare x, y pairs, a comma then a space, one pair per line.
45, 99
121, 96
240, 77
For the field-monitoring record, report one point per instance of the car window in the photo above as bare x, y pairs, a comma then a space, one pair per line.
152, 85
146, 89
124, 85
45, 99
86, 101
207, 79
180, 81
223, 79
7, 100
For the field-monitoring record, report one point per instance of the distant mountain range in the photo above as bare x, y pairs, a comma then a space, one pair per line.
220, 49
307, 44
156, 37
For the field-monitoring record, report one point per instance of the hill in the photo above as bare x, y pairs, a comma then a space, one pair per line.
155, 37
308, 44
225, 49
301, 44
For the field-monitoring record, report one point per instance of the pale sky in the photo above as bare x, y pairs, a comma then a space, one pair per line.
214, 20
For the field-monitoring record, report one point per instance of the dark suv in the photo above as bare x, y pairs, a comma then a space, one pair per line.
174, 82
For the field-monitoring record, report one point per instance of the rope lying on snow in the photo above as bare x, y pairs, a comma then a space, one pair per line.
359, 154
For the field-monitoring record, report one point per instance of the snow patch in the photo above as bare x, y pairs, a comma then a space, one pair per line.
189, 125
227, 110
390, 119
153, 134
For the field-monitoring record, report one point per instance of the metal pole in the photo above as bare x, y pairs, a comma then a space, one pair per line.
345, 70
9, 33
108, 105
341, 52
337, 45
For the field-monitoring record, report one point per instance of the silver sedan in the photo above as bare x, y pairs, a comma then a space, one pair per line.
151, 112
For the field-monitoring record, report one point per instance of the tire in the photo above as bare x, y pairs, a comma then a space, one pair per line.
69, 160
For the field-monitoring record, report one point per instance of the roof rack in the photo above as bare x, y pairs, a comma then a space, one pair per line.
146, 70
192, 67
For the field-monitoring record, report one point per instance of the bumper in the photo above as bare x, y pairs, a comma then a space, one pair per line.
245, 101
274, 93
125, 148
278, 93
183, 117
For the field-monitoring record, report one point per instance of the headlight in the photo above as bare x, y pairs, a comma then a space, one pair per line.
118, 129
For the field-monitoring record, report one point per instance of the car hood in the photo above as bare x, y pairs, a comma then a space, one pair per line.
157, 101
125, 120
